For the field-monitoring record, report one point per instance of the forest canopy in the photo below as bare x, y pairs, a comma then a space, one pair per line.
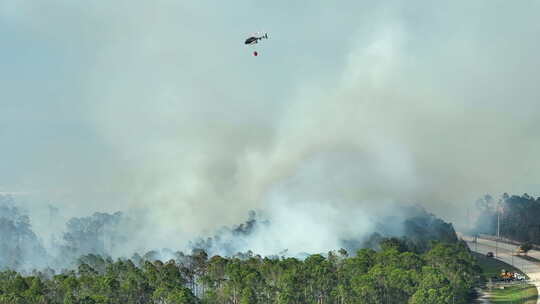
426, 263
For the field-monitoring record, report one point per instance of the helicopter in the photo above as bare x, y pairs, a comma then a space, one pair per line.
254, 40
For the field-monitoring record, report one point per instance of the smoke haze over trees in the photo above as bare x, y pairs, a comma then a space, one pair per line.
110, 235
353, 111
161, 109
20, 247
428, 272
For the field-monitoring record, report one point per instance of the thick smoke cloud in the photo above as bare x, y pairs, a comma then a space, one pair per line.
156, 108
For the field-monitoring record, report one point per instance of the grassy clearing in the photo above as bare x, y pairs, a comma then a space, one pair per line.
521, 293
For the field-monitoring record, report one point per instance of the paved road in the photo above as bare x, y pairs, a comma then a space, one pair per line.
504, 253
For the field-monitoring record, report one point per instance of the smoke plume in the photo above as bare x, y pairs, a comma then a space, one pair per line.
158, 110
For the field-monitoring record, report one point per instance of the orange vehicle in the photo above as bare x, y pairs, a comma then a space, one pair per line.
507, 275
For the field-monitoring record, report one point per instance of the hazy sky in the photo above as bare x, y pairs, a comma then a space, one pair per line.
114, 105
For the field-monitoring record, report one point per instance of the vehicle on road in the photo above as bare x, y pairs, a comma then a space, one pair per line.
509, 276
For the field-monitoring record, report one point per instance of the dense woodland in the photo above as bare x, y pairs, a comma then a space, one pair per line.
445, 273
413, 269
426, 263
519, 217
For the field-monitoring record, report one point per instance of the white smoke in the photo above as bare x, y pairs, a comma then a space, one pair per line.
157, 107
